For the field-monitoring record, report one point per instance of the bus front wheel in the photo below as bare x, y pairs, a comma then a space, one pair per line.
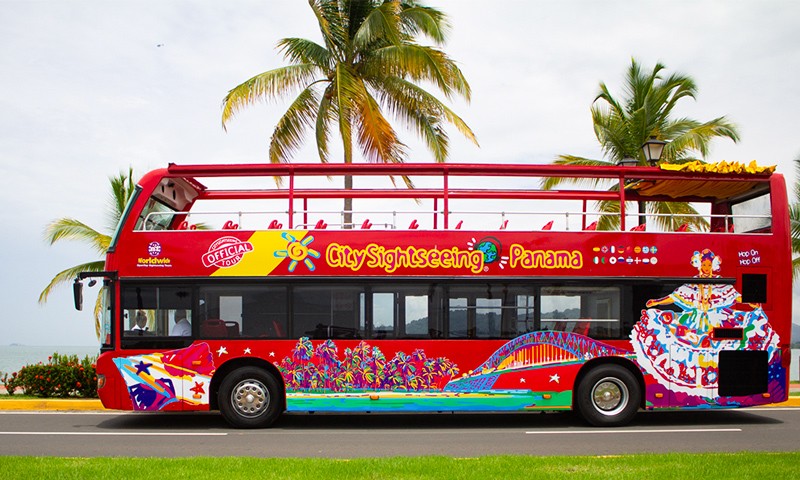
249, 397
608, 396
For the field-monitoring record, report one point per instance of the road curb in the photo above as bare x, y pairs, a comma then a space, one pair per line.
94, 404
52, 404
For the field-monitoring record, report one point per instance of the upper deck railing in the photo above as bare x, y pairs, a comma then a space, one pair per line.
445, 198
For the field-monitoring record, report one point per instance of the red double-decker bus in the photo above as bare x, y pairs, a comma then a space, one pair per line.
474, 291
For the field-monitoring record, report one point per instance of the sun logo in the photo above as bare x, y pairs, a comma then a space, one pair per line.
298, 251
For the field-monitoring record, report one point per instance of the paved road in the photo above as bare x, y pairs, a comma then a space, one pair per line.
180, 435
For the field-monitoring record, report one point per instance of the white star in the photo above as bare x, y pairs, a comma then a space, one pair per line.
555, 378
221, 351
247, 351
271, 354
521, 380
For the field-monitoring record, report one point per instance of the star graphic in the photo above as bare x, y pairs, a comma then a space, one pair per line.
198, 388
271, 354
247, 351
555, 378
143, 367
222, 351
521, 380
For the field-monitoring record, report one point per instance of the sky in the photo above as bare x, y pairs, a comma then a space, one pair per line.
89, 88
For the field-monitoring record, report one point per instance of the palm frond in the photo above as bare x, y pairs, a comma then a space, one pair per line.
551, 183
332, 25
68, 275
380, 24
122, 187
98, 311
71, 229
304, 51
265, 86
420, 63
377, 138
287, 137
671, 215
610, 214
423, 112
794, 221
326, 114
418, 19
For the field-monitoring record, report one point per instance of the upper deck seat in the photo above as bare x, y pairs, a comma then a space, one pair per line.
460, 223
366, 225
185, 226
639, 228
321, 225
414, 225
274, 225
591, 226
683, 228
504, 225
229, 225
548, 225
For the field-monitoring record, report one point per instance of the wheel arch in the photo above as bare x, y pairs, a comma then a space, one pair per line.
226, 368
622, 362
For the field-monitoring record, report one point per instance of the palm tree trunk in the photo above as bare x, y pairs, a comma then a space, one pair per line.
642, 212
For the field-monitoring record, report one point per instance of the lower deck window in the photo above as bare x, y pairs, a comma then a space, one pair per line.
590, 311
382, 310
156, 312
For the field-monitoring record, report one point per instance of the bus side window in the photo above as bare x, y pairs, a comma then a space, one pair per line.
587, 311
324, 311
250, 311
160, 306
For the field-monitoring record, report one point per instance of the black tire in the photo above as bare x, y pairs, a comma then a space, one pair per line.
250, 397
608, 396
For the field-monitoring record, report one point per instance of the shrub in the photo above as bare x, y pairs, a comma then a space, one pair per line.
62, 376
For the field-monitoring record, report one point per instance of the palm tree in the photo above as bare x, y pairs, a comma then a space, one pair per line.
122, 187
622, 126
369, 64
794, 219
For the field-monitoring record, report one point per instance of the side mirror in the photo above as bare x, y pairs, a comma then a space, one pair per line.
77, 293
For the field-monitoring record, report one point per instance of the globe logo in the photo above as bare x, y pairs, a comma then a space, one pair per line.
489, 248
154, 249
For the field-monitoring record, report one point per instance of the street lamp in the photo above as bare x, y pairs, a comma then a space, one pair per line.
652, 149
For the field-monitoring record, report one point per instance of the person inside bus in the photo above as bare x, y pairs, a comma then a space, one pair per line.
141, 322
182, 326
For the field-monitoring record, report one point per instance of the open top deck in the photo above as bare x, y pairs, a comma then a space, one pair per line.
450, 196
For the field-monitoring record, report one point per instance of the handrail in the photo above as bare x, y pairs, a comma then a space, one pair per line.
501, 224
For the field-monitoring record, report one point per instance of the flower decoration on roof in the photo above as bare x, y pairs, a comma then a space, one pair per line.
719, 167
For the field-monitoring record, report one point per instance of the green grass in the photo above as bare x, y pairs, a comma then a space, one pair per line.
667, 467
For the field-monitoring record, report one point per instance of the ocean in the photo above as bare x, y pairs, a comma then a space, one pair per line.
14, 357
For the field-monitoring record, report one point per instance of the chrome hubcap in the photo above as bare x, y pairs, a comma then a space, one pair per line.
250, 398
609, 396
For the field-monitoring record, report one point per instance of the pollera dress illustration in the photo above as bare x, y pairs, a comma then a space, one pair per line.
690, 366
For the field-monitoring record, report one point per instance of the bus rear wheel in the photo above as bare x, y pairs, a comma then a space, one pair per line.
608, 396
249, 397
